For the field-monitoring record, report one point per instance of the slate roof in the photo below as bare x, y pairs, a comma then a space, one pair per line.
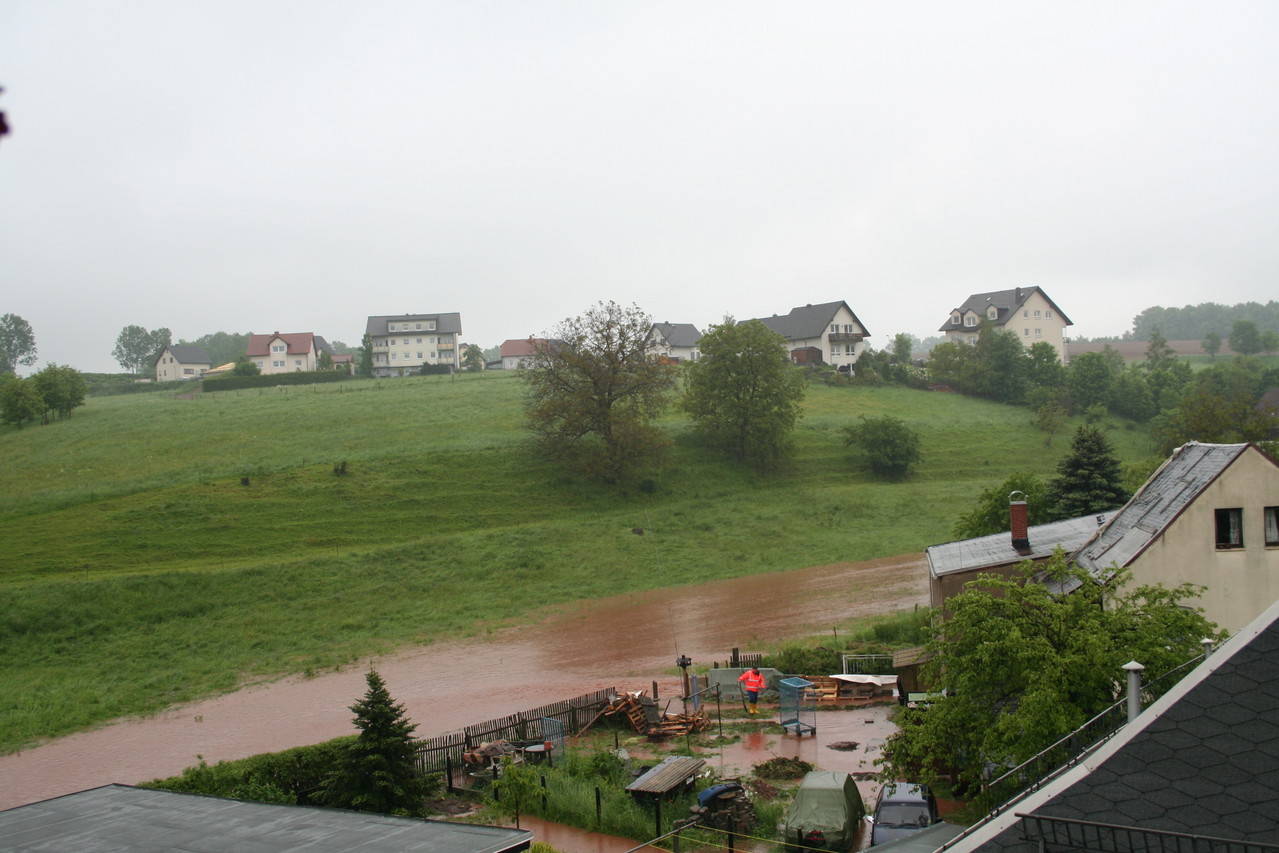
1157, 504
1008, 302
119, 818
1202, 760
997, 548
809, 321
679, 334
444, 323
185, 355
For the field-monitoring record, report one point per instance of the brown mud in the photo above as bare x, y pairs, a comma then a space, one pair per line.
626, 642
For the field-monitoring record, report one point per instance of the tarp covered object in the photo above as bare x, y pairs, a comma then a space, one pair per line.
827, 802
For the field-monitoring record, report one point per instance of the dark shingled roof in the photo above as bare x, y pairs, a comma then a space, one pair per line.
1203, 760
1008, 302
810, 321
120, 818
679, 334
444, 323
186, 355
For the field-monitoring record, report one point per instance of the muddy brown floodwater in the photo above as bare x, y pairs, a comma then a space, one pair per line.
625, 642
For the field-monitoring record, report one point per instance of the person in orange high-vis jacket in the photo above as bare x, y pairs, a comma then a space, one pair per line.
752, 683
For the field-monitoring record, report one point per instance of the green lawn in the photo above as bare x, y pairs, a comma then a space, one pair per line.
136, 571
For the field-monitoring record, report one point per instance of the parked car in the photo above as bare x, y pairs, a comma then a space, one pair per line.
825, 813
902, 808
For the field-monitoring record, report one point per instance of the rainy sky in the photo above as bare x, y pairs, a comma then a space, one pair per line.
297, 165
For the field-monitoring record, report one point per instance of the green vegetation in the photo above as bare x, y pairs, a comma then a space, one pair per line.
744, 395
1022, 666
136, 571
377, 772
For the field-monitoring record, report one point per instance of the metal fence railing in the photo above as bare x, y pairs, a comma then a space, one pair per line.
1064, 835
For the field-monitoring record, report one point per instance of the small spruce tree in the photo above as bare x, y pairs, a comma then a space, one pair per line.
1090, 479
379, 771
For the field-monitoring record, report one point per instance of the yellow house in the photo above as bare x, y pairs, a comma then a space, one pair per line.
287, 353
1027, 312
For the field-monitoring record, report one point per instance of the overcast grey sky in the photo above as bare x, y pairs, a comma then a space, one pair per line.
297, 165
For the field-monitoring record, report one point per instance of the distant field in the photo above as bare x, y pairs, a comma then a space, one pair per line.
136, 571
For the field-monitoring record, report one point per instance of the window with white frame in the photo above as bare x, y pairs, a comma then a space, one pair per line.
970, 320
390, 327
1048, 314
394, 356
834, 327
1039, 333
419, 340
1025, 315
430, 325
1025, 333
419, 355
277, 347
418, 327
1272, 525
297, 362
1229, 527
279, 363
1036, 313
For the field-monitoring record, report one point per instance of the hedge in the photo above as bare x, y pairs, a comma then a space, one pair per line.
235, 383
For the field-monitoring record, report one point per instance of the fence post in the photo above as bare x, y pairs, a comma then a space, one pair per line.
657, 818
543, 794
599, 808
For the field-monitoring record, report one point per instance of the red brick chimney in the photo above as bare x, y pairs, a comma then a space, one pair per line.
1019, 515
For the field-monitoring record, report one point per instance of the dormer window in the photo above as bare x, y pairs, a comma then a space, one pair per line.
390, 327
954, 318
970, 320
992, 312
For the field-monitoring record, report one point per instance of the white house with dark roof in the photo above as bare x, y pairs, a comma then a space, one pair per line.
675, 341
829, 333
1027, 312
181, 362
403, 343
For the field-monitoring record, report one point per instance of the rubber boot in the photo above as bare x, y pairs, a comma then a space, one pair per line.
753, 711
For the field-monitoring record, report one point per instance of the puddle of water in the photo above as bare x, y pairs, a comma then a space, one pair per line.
625, 642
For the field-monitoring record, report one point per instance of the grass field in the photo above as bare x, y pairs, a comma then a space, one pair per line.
136, 571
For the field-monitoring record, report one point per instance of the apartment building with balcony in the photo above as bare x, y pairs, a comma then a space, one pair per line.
404, 343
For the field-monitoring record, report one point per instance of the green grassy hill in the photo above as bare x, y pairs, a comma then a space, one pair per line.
136, 571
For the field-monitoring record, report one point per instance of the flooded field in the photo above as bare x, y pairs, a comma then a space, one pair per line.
626, 642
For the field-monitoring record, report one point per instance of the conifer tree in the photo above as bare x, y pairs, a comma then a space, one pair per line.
379, 771
1090, 479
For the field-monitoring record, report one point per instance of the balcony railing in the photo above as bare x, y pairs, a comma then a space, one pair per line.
845, 338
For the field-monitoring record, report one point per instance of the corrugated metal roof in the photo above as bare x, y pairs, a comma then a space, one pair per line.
1157, 504
119, 818
668, 775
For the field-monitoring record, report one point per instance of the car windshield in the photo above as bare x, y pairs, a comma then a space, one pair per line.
903, 815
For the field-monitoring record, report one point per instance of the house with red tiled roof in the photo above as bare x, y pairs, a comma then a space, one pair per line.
517, 353
288, 352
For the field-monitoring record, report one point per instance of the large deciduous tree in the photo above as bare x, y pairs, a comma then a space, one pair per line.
472, 358
1245, 337
17, 343
62, 388
1090, 479
743, 394
1023, 664
136, 348
20, 400
379, 771
594, 392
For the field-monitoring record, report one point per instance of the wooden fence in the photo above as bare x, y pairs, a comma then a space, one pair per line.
443, 753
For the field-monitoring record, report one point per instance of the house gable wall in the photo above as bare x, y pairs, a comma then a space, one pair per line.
1240, 582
